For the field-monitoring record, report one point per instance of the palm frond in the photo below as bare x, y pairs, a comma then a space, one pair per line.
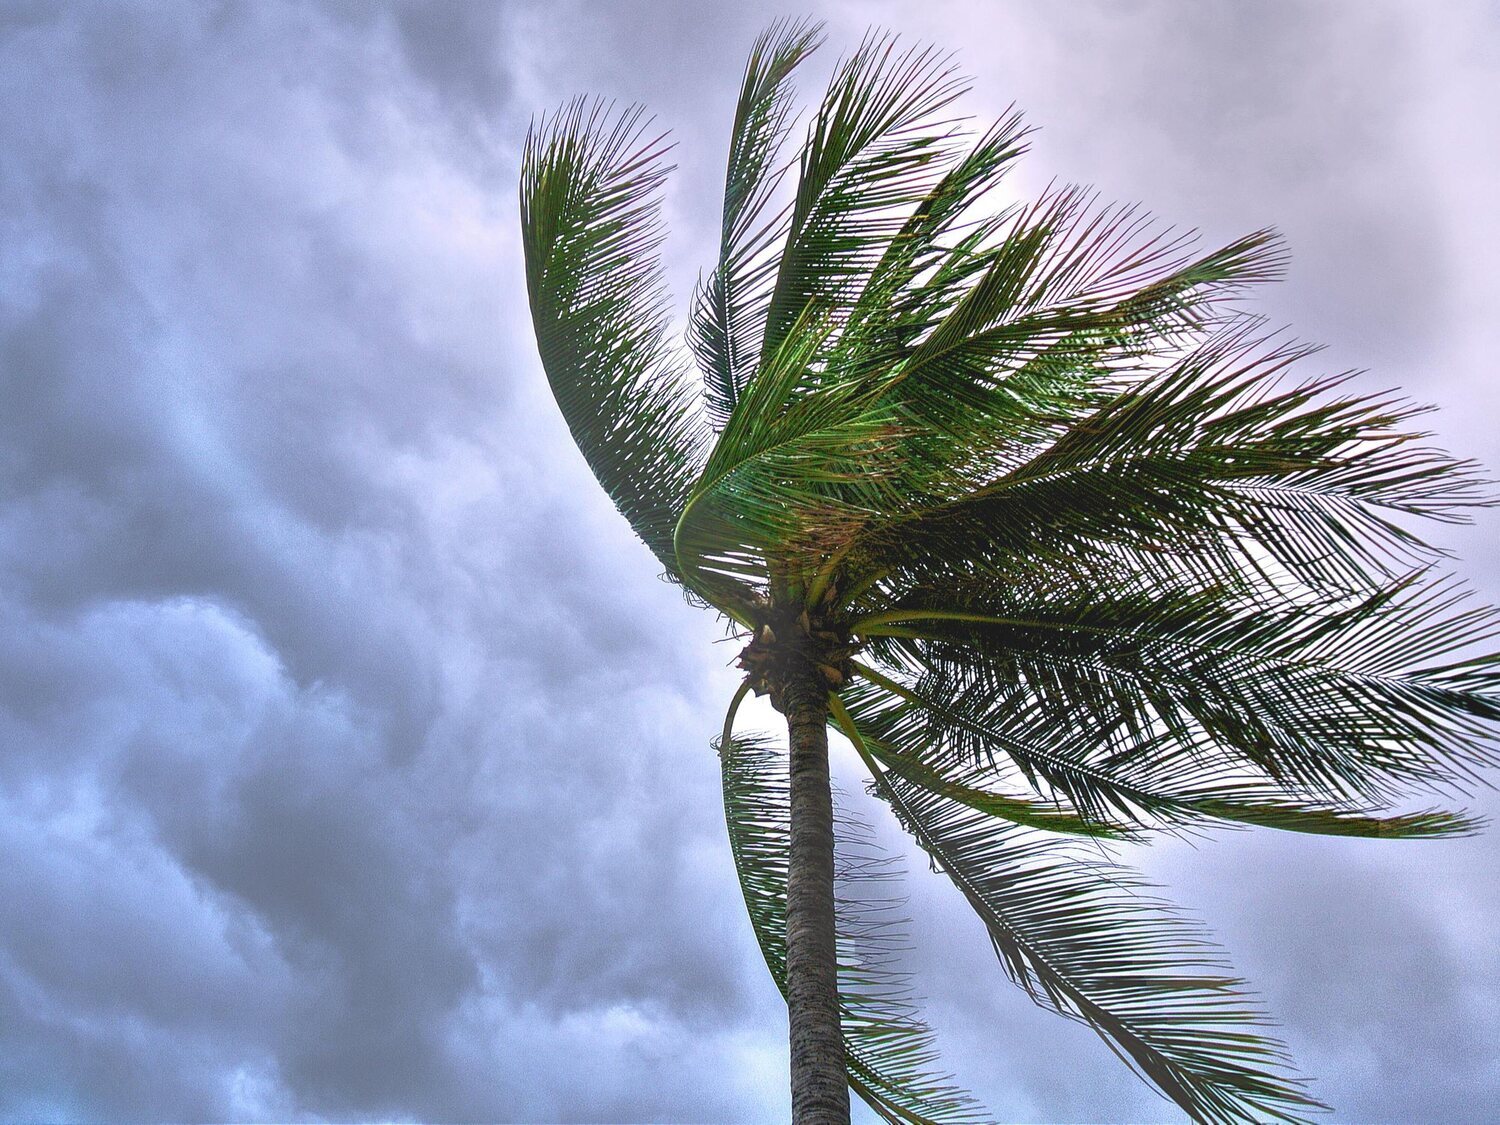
798, 437
1081, 937
969, 787
919, 274
1209, 461
977, 740
1366, 701
1072, 268
768, 490
888, 1049
875, 147
590, 224
729, 313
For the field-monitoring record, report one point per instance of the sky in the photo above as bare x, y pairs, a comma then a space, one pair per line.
353, 759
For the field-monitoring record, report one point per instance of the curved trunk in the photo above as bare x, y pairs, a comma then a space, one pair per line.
820, 1087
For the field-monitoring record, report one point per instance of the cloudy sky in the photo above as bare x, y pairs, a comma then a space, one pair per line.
353, 760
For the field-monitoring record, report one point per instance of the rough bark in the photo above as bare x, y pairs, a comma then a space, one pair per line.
820, 1089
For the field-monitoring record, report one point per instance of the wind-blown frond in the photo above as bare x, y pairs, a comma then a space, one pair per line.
831, 456
1357, 702
970, 787
888, 1049
919, 274
729, 313
590, 226
972, 741
770, 469
1071, 270
1081, 937
873, 151
1209, 463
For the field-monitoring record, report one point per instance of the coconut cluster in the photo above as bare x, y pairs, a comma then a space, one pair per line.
784, 647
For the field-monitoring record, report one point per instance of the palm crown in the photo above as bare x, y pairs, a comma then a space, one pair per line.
1062, 543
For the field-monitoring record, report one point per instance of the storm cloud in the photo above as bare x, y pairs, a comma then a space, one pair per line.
353, 759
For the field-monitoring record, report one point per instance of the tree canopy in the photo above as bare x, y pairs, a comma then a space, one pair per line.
1080, 551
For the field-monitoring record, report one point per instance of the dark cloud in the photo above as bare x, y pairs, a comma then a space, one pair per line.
299, 821
353, 761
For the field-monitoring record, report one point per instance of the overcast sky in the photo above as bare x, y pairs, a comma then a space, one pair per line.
354, 762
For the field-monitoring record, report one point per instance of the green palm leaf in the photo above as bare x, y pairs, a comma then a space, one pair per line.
963, 745
590, 225
1209, 464
729, 314
875, 148
1344, 703
1080, 936
889, 1050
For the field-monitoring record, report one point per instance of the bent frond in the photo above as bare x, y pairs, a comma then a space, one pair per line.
590, 225
729, 312
1081, 937
889, 1050
981, 739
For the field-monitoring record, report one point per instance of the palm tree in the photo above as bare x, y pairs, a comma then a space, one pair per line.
1020, 502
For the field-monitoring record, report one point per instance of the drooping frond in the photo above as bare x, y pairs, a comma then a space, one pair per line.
888, 1049
590, 225
729, 313
1083, 939
971, 741
1363, 702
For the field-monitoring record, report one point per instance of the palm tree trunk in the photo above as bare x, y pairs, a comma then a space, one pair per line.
820, 1089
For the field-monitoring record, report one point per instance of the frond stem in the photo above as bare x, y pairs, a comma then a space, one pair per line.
734, 707
897, 616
